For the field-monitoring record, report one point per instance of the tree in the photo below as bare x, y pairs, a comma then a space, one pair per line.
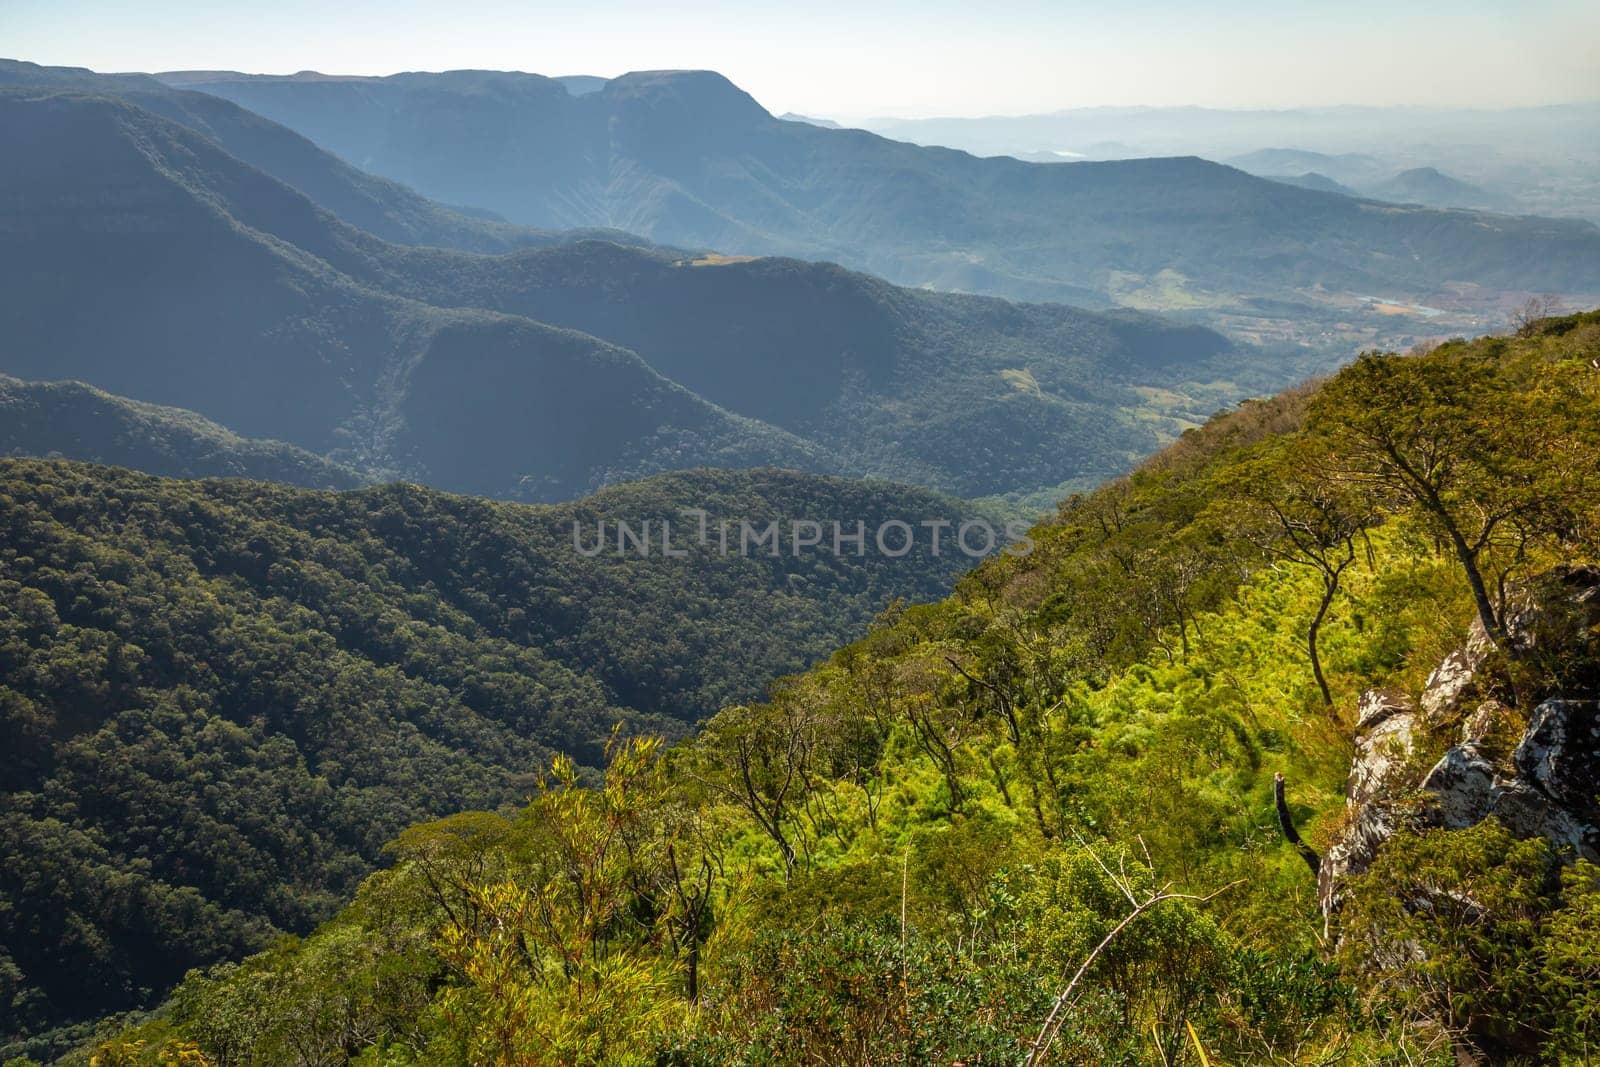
690, 869
1490, 463
1287, 506
760, 758
1075, 902
562, 969
1533, 311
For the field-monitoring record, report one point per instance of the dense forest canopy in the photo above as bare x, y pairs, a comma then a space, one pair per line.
1035, 822
219, 699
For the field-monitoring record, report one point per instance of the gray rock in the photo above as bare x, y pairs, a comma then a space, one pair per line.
1377, 705
1526, 812
1451, 682
1385, 740
1357, 846
1559, 751
1551, 786
1458, 789
1560, 756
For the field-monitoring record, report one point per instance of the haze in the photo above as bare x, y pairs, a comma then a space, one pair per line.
900, 58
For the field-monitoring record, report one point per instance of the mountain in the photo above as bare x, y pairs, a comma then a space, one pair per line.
827, 124
1427, 185
969, 394
1354, 174
384, 208
70, 420
686, 158
580, 84
1320, 182
151, 250
1347, 168
381, 207
220, 698
1071, 791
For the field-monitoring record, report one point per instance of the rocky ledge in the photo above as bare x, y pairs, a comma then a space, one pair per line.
1537, 771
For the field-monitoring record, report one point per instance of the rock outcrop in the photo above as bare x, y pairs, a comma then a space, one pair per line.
1536, 771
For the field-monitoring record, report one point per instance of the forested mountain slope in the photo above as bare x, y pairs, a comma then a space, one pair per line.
969, 394
958, 839
218, 699
70, 420
686, 158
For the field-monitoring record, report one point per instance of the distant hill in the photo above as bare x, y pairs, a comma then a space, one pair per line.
827, 124
686, 158
218, 699
1542, 156
970, 394
579, 84
1426, 185
1346, 168
1319, 182
1355, 174
163, 268
70, 420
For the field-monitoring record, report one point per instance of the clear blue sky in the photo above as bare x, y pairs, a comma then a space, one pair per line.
892, 57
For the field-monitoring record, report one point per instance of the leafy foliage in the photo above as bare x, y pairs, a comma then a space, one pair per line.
1487, 935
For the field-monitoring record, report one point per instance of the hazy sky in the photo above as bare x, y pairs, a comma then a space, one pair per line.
932, 57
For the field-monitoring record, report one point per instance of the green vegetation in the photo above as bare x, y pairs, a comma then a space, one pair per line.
1041, 808
219, 699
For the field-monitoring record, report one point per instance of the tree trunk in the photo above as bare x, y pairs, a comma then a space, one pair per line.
1480, 592
1286, 824
1328, 591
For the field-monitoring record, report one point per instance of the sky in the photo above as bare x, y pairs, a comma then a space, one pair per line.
880, 57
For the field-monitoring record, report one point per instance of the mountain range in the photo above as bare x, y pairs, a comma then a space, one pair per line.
1538, 159
911, 849
153, 263
245, 656
686, 158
